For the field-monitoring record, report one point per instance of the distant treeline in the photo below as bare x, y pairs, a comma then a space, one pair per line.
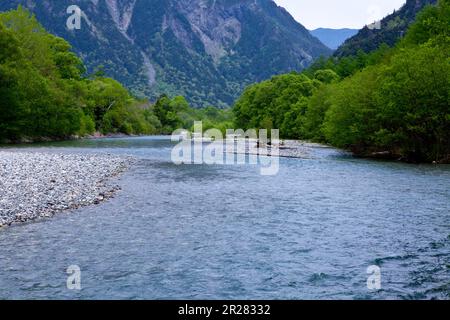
46, 94
393, 102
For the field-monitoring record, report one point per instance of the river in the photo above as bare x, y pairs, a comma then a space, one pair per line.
227, 232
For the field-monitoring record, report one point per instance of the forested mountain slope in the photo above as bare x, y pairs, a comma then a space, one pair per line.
204, 50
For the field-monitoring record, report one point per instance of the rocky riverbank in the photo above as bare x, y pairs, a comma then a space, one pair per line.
38, 184
287, 149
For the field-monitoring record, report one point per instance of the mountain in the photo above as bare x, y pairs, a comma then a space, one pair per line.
206, 50
392, 28
333, 38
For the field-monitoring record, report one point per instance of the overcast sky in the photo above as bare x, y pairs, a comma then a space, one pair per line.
339, 13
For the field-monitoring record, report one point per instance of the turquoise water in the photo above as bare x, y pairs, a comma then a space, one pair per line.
226, 232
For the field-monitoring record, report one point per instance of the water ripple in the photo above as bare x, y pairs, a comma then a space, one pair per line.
225, 232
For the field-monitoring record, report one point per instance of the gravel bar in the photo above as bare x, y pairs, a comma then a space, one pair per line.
289, 149
37, 185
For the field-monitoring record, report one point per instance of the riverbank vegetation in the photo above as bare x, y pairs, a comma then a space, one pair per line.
46, 94
393, 102
176, 113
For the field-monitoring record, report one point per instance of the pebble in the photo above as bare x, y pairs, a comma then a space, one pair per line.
37, 185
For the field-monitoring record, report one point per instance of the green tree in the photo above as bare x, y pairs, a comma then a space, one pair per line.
326, 76
353, 106
414, 95
44, 92
12, 109
277, 103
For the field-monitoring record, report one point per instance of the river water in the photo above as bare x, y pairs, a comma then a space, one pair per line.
227, 232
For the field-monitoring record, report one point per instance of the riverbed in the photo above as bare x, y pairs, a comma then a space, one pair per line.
36, 185
227, 232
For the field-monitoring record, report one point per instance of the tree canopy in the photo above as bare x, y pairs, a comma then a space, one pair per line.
393, 101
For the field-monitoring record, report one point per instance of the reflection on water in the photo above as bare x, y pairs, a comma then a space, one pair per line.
207, 232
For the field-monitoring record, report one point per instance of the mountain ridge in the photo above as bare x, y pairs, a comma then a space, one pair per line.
205, 50
393, 27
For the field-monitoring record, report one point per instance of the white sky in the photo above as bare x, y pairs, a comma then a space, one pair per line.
339, 13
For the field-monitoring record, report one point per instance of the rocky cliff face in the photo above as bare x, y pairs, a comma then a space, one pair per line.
207, 50
121, 12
